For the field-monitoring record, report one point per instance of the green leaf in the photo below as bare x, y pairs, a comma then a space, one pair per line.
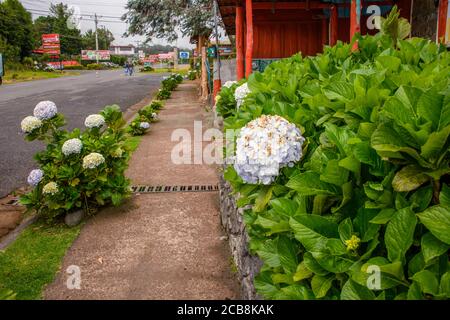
269, 254
427, 281
432, 150
334, 174
444, 287
384, 216
432, 247
353, 291
389, 62
285, 207
437, 220
399, 234
431, 106
287, 253
309, 184
321, 285
313, 265
346, 229
415, 292
295, 292
409, 178
302, 272
263, 198
339, 90
444, 197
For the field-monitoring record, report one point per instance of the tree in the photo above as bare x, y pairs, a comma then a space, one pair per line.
16, 30
56, 22
105, 38
163, 19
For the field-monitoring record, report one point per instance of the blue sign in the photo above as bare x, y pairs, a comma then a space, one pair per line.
1, 65
184, 55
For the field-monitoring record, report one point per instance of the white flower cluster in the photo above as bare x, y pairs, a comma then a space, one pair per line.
155, 116
266, 145
50, 188
144, 125
35, 177
30, 123
45, 110
229, 84
72, 146
93, 160
117, 153
240, 94
94, 121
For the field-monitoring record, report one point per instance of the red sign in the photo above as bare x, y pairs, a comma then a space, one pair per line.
50, 38
51, 44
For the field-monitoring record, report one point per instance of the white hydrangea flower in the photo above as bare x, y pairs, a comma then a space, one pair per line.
240, 94
94, 121
144, 125
45, 110
30, 123
72, 146
35, 177
93, 160
266, 145
229, 84
154, 116
50, 188
117, 153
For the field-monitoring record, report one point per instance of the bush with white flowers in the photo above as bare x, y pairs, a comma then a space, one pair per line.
226, 103
78, 170
229, 84
266, 145
94, 121
141, 123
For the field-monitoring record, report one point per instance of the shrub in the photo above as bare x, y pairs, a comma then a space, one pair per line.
225, 100
147, 69
372, 190
163, 94
192, 74
139, 126
78, 169
95, 66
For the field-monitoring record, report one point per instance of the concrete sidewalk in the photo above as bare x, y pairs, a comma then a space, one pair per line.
156, 246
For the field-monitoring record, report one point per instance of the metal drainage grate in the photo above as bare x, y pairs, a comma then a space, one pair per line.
166, 189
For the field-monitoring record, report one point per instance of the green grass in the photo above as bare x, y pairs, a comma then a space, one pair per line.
31, 262
21, 76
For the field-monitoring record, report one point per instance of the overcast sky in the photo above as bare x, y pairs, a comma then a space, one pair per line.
112, 10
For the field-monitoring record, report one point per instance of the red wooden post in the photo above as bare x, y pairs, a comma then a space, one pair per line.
249, 47
240, 72
442, 21
355, 20
333, 25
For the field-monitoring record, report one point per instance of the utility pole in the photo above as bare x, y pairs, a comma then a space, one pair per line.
96, 37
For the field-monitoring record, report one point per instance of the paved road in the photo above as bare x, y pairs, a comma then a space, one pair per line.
75, 96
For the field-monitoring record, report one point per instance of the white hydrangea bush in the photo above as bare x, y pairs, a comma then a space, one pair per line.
94, 121
266, 145
241, 93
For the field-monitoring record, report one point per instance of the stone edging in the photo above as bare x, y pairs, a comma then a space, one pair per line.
248, 266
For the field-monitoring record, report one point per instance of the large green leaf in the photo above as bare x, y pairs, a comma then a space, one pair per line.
444, 287
444, 197
309, 184
302, 272
313, 231
409, 178
353, 291
287, 253
433, 148
432, 247
427, 281
399, 234
263, 198
321, 285
432, 107
437, 220
285, 207
334, 174
342, 91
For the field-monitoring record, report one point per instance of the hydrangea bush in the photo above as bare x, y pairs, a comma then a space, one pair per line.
78, 169
226, 101
372, 189
149, 114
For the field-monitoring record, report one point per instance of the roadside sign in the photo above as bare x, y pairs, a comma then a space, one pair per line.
92, 55
184, 55
51, 44
1, 66
212, 53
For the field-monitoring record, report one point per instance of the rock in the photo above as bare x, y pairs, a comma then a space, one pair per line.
74, 218
9, 220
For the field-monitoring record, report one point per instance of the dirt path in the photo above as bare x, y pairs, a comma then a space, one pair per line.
157, 246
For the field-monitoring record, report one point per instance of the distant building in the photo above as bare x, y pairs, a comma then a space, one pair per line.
128, 51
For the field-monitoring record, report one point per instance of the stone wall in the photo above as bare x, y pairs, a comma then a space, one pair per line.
247, 265
424, 19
